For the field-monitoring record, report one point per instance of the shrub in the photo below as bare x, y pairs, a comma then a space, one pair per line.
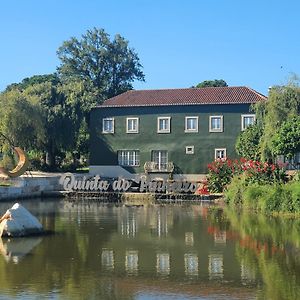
234, 194
221, 172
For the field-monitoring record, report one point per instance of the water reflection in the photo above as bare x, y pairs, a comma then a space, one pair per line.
191, 264
103, 251
215, 266
189, 239
14, 249
107, 259
132, 262
163, 263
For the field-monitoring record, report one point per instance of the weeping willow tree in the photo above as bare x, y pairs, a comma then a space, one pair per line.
283, 104
20, 124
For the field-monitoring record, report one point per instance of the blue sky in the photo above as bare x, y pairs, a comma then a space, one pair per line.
180, 43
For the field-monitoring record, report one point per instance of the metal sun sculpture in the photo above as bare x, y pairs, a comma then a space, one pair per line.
22, 164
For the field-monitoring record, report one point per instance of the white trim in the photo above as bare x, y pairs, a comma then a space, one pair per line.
220, 149
189, 149
246, 116
221, 123
137, 125
168, 130
124, 157
186, 130
113, 125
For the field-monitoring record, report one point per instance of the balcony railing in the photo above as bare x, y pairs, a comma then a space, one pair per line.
153, 167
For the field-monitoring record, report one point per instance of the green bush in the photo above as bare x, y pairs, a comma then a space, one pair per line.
235, 191
251, 196
270, 199
265, 198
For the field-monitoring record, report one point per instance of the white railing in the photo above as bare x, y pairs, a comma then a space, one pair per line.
153, 167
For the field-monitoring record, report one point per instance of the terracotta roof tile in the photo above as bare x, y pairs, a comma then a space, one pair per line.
189, 96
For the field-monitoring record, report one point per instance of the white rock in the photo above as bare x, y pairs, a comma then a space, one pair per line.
22, 223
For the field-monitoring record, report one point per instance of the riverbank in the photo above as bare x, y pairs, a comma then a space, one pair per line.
278, 198
37, 184
47, 185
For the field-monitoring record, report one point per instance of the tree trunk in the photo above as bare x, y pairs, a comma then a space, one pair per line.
50, 158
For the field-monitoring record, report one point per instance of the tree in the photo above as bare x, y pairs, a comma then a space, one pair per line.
247, 144
283, 104
110, 66
20, 120
287, 140
212, 83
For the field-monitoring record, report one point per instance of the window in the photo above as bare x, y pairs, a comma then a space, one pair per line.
132, 125
129, 158
108, 125
189, 149
163, 124
160, 158
220, 153
216, 123
191, 124
247, 120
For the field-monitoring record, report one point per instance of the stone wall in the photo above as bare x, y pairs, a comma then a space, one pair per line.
28, 187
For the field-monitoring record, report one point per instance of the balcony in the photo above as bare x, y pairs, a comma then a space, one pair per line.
154, 167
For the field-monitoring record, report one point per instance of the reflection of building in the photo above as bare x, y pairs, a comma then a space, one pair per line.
189, 238
247, 274
159, 221
191, 264
215, 266
131, 262
220, 237
129, 223
163, 263
107, 259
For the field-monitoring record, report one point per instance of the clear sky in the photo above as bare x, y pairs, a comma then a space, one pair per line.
179, 42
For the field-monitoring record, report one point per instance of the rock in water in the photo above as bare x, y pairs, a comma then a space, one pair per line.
22, 222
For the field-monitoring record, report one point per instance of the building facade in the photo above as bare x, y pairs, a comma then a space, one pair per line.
175, 131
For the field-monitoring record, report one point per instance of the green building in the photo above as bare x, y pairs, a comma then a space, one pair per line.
167, 131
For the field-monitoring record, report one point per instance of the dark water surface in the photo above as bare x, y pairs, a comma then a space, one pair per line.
152, 252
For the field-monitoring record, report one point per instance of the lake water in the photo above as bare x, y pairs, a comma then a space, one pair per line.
102, 251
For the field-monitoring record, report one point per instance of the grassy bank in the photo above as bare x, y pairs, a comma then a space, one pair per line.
266, 198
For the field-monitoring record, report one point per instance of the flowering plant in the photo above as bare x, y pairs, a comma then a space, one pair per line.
221, 171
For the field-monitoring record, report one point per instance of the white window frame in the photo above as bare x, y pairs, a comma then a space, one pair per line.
186, 129
160, 158
166, 130
243, 118
221, 124
113, 125
189, 149
135, 130
220, 149
124, 158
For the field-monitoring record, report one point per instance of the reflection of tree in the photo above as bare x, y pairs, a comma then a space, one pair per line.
269, 247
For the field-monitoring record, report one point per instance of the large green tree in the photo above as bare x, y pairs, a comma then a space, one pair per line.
212, 83
37, 114
287, 140
247, 144
110, 66
283, 104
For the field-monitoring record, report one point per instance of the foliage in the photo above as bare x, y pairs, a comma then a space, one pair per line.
265, 198
20, 120
110, 66
283, 104
221, 173
247, 144
287, 140
212, 83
